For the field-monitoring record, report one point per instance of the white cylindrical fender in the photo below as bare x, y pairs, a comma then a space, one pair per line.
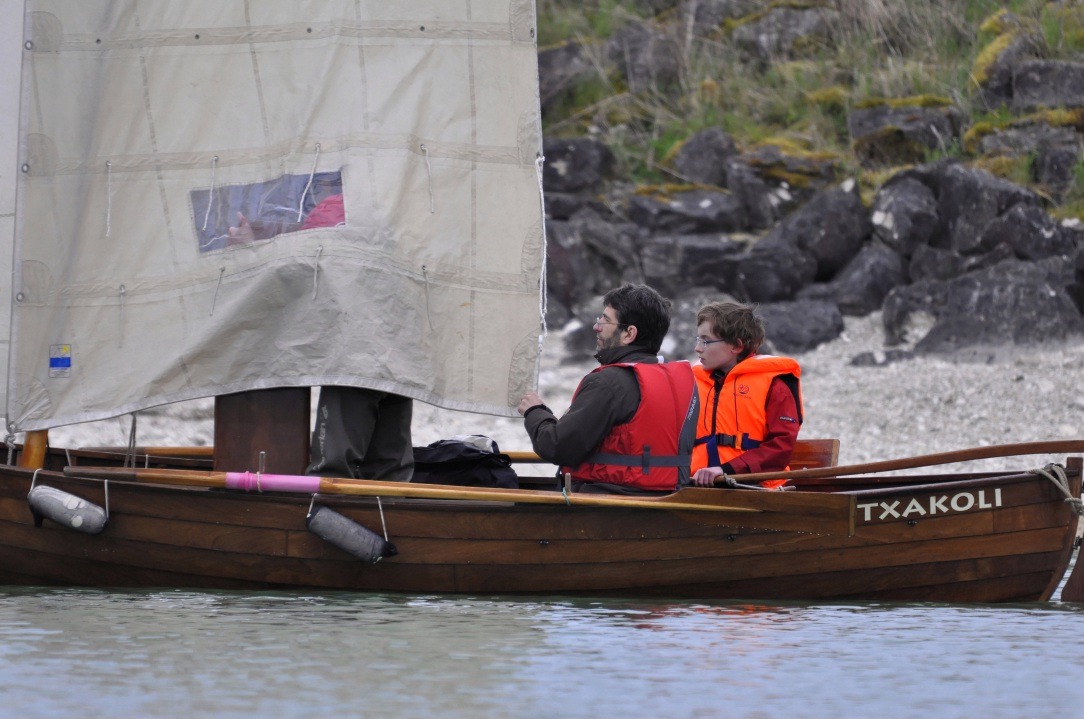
348, 535
66, 509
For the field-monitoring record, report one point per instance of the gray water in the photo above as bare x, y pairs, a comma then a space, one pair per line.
169, 653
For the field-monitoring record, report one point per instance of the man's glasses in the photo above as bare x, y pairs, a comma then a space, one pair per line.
700, 341
604, 321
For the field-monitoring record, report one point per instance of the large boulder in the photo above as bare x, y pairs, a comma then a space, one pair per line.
934, 263
1055, 167
702, 158
774, 269
1076, 287
590, 254
563, 205
969, 200
785, 31
929, 174
831, 228
559, 69
1026, 138
688, 211
566, 264
647, 57
704, 17
1031, 233
796, 174
993, 70
673, 262
884, 134
904, 214
1015, 302
764, 202
1047, 83
575, 164
800, 326
861, 287
909, 311
613, 248
1055, 149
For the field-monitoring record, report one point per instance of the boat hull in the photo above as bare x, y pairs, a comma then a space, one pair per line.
975, 540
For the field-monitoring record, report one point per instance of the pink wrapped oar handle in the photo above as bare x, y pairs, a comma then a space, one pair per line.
249, 481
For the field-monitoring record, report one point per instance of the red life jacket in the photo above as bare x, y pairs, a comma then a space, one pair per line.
732, 416
329, 213
653, 449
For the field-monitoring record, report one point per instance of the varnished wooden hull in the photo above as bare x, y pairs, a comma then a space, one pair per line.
985, 539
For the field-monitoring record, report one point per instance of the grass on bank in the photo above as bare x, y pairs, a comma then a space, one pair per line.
879, 50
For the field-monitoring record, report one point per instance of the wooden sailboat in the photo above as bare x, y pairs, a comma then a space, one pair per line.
128, 294
982, 537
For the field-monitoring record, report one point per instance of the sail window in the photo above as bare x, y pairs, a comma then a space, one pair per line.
232, 215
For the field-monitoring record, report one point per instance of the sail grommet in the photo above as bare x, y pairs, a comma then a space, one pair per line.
65, 509
348, 535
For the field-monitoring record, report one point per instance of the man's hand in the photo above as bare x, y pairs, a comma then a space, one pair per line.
706, 477
531, 399
242, 234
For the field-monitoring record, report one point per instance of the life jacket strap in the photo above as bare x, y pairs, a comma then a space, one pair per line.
645, 460
715, 441
742, 442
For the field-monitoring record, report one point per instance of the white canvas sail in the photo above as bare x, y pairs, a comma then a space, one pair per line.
174, 236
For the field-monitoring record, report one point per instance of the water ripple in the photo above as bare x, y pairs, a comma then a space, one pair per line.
185, 653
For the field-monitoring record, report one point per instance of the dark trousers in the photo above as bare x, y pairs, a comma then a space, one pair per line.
362, 433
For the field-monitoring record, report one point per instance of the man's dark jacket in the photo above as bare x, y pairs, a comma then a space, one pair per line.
604, 399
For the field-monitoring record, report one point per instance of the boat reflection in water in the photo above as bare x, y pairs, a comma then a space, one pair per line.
290, 654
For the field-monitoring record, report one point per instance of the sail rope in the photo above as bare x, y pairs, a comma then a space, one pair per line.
211, 192
108, 198
1056, 474
425, 276
316, 271
543, 307
429, 172
129, 454
214, 298
308, 186
383, 524
123, 293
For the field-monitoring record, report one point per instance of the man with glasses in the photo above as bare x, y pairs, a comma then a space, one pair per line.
751, 404
630, 427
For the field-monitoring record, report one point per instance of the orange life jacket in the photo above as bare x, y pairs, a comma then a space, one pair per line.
732, 415
653, 449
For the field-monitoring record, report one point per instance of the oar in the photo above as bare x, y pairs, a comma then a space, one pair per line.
249, 481
525, 457
926, 460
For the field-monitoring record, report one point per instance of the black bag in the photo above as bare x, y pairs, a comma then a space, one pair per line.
465, 460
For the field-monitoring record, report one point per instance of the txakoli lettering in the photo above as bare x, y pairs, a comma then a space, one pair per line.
931, 506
